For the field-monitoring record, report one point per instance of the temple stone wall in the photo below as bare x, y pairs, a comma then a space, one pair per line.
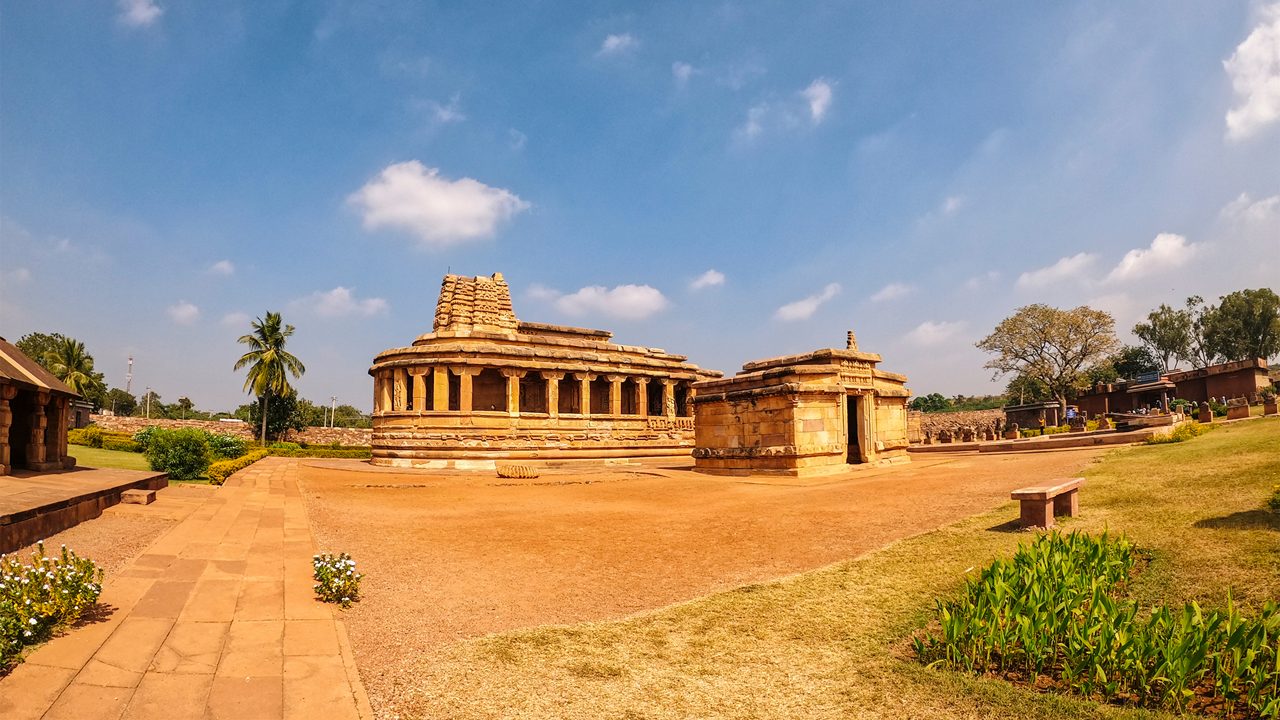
311, 436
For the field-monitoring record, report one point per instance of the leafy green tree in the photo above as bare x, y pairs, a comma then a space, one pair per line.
282, 415
38, 345
350, 416
1167, 334
1135, 360
1051, 346
119, 402
1022, 389
1245, 325
1200, 353
268, 362
185, 405
150, 405
311, 414
933, 402
72, 364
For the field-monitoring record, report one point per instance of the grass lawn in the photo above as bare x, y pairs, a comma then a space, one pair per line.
98, 458
834, 643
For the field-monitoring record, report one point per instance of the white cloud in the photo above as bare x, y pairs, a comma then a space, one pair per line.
952, 205
892, 291
818, 95
1246, 209
751, 128
235, 319
440, 212
682, 72
340, 302
978, 281
18, 275
183, 313
617, 45
931, 333
1061, 271
1167, 251
1255, 76
710, 278
516, 139
139, 13
542, 292
805, 308
628, 302
446, 114
222, 267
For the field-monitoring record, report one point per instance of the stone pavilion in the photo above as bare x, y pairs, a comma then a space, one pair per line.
484, 385
802, 415
34, 413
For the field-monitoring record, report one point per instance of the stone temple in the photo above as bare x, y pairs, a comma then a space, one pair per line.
802, 415
484, 385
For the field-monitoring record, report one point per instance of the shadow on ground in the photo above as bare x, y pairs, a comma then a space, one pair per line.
1245, 520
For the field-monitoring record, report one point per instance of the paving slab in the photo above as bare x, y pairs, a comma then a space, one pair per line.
195, 626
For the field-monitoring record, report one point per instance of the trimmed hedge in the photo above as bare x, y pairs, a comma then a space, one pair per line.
183, 454
120, 445
219, 472
322, 452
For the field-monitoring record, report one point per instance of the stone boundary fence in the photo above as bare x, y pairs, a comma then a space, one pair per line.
955, 422
311, 435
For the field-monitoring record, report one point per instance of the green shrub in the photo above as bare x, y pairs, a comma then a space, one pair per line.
219, 472
285, 446
1273, 503
181, 453
336, 579
38, 598
1057, 609
119, 445
1182, 433
226, 447
143, 436
88, 436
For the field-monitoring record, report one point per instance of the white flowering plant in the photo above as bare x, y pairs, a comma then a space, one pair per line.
37, 598
336, 578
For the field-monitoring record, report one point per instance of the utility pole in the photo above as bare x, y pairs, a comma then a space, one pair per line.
128, 376
148, 402
333, 407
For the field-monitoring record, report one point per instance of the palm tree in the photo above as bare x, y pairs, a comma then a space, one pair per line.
268, 362
71, 364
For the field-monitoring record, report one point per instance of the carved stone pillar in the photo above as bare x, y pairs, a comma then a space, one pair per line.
440, 393
584, 391
642, 397
669, 398
57, 434
384, 391
553, 392
513, 390
419, 384
399, 376
7, 393
39, 423
615, 393
464, 386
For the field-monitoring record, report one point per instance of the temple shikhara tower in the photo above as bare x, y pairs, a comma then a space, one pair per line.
484, 385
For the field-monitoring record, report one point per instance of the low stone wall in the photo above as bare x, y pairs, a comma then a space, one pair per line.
933, 423
311, 435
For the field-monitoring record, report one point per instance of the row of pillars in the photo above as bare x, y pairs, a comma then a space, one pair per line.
399, 389
45, 438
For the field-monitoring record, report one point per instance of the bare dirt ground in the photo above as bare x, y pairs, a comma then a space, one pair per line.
451, 556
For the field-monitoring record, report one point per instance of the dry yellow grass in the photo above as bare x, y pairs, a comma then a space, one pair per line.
832, 643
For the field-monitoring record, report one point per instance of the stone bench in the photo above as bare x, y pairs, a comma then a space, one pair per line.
1041, 503
138, 497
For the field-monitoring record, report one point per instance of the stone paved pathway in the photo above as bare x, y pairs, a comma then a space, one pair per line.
216, 619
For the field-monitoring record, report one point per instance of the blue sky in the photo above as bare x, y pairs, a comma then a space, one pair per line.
729, 181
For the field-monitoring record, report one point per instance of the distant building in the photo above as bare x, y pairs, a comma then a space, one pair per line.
35, 410
1244, 378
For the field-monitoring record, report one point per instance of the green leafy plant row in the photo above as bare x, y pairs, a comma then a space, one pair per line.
1057, 610
93, 436
39, 597
1182, 433
219, 472
321, 452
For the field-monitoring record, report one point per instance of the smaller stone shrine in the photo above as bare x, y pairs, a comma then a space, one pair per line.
34, 413
801, 415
